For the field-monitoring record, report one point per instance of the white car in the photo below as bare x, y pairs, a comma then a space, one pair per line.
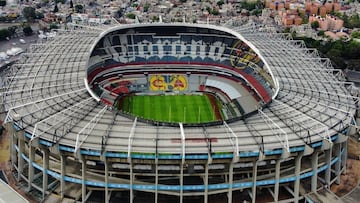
22, 41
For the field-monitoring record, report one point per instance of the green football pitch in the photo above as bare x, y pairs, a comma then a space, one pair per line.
173, 108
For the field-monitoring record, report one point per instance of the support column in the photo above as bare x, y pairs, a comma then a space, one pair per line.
21, 146
277, 179
63, 173
328, 169
314, 164
344, 156
156, 180
181, 181
206, 183
13, 140
231, 171
45, 168
297, 174
83, 178
131, 181
254, 182
31, 167
338, 163
107, 199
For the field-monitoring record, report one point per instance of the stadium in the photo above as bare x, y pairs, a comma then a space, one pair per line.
176, 112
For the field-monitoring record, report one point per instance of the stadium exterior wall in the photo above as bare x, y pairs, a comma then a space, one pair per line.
288, 167
324, 161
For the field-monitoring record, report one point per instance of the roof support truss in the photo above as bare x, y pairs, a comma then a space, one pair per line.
232, 137
37, 103
131, 138
304, 129
279, 132
182, 143
60, 123
88, 128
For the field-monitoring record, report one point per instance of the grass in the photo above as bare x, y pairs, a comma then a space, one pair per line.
171, 108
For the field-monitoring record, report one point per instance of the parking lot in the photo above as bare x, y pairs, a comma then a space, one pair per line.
16, 42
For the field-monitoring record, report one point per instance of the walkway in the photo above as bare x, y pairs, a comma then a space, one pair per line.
7, 194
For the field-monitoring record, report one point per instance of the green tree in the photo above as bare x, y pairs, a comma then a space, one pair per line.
155, 19
248, 5
54, 26
355, 35
39, 15
79, 8
29, 13
315, 25
321, 33
119, 12
352, 50
286, 30
346, 20
354, 21
256, 12
12, 30
220, 3
4, 33
215, 12
2, 3
208, 9
304, 18
27, 30
131, 15
56, 9
146, 7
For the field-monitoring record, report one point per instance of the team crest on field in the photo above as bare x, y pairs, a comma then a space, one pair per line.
168, 82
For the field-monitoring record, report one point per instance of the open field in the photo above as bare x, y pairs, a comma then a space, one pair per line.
172, 108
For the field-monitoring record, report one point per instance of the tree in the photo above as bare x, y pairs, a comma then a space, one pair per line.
79, 8
355, 35
220, 3
4, 33
354, 21
119, 13
27, 30
248, 5
321, 33
146, 7
29, 13
352, 50
215, 12
39, 15
155, 19
12, 30
315, 25
2, 3
131, 15
56, 9
54, 26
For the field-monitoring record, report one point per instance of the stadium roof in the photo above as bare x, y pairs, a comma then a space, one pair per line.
45, 94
